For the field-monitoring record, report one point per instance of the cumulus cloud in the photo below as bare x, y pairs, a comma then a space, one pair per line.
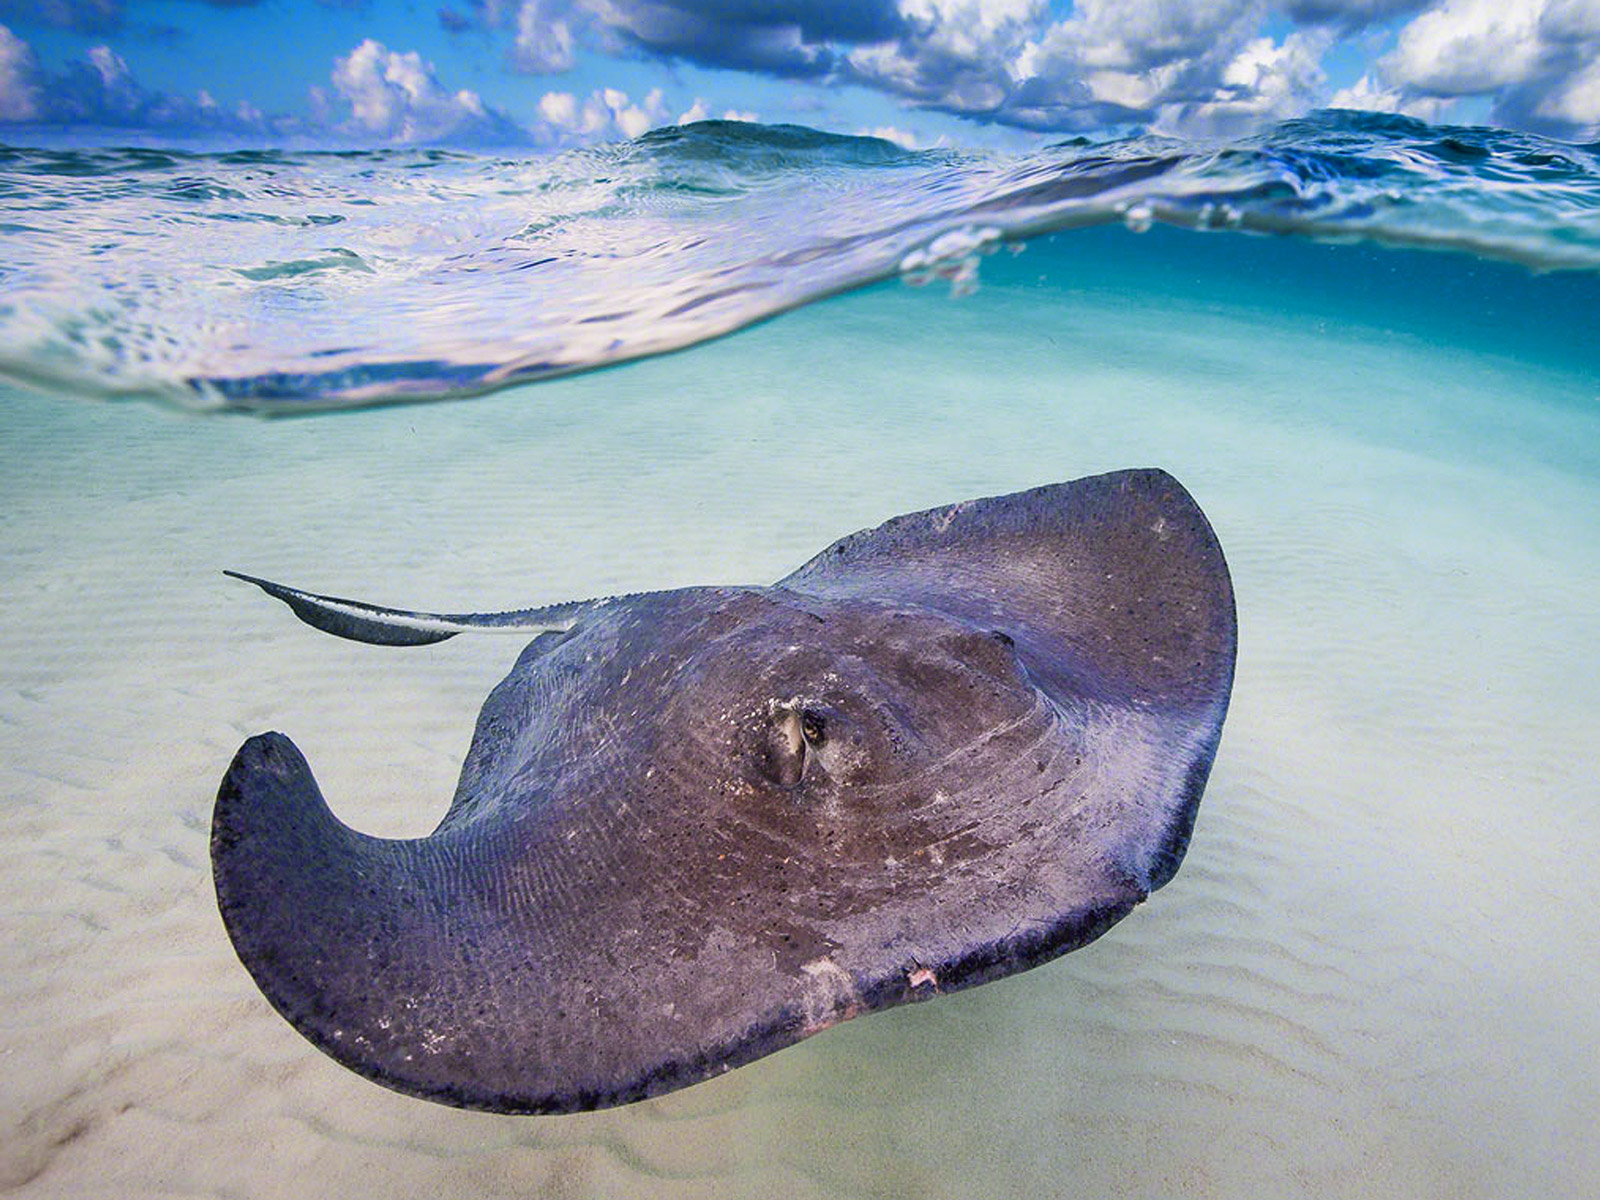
395, 96
1139, 36
19, 93
1206, 66
1195, 65
99, 90
1133, 60
607, 113
1202, 63
632, 120
903, 138
1536, 59
377, 95
1186, 65
109, 66
958, 55
1369, 95
1577, 103
1464, 47
544, 39
1264, 81
559, 109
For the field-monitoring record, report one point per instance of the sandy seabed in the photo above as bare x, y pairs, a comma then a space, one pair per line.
1375, 975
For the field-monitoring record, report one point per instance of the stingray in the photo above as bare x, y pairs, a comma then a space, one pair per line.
696, 826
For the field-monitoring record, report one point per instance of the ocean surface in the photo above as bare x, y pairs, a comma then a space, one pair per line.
1369, 347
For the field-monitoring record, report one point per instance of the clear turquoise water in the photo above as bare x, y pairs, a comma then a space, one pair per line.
1372, 977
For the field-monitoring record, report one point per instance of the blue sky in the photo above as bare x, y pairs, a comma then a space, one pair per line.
923, 72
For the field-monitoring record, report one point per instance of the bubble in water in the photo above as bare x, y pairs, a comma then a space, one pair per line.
1138, 217
1215, 216
953, 256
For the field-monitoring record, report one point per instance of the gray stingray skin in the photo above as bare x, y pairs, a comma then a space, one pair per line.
650, 874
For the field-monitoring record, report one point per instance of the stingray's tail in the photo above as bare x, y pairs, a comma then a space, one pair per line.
362, 622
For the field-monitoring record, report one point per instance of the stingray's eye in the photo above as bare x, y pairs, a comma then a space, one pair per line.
813, 728
1004, 638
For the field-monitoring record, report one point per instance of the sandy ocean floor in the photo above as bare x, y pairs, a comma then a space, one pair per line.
1374, 976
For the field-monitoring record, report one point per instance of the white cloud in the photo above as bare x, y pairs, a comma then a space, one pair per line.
1577, 101
1133, 58
956, 54
734, 114
395, 96
19, 93
1194, 65
970, 28
1138, 36
567, 120
1205, 66
1197, 65
99, 90
390, 96
559, 108
903, 138
1201, 64
1265, 81
1536, 58
637, 119
1467, 47
1368, 95
544, 41
608, 112
108, 65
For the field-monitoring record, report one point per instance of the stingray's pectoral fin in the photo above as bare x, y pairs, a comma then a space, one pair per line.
416, 962
364, 944
1116, 591
362, 622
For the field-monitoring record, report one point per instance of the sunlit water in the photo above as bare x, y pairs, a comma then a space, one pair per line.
285, 281
1375, 974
